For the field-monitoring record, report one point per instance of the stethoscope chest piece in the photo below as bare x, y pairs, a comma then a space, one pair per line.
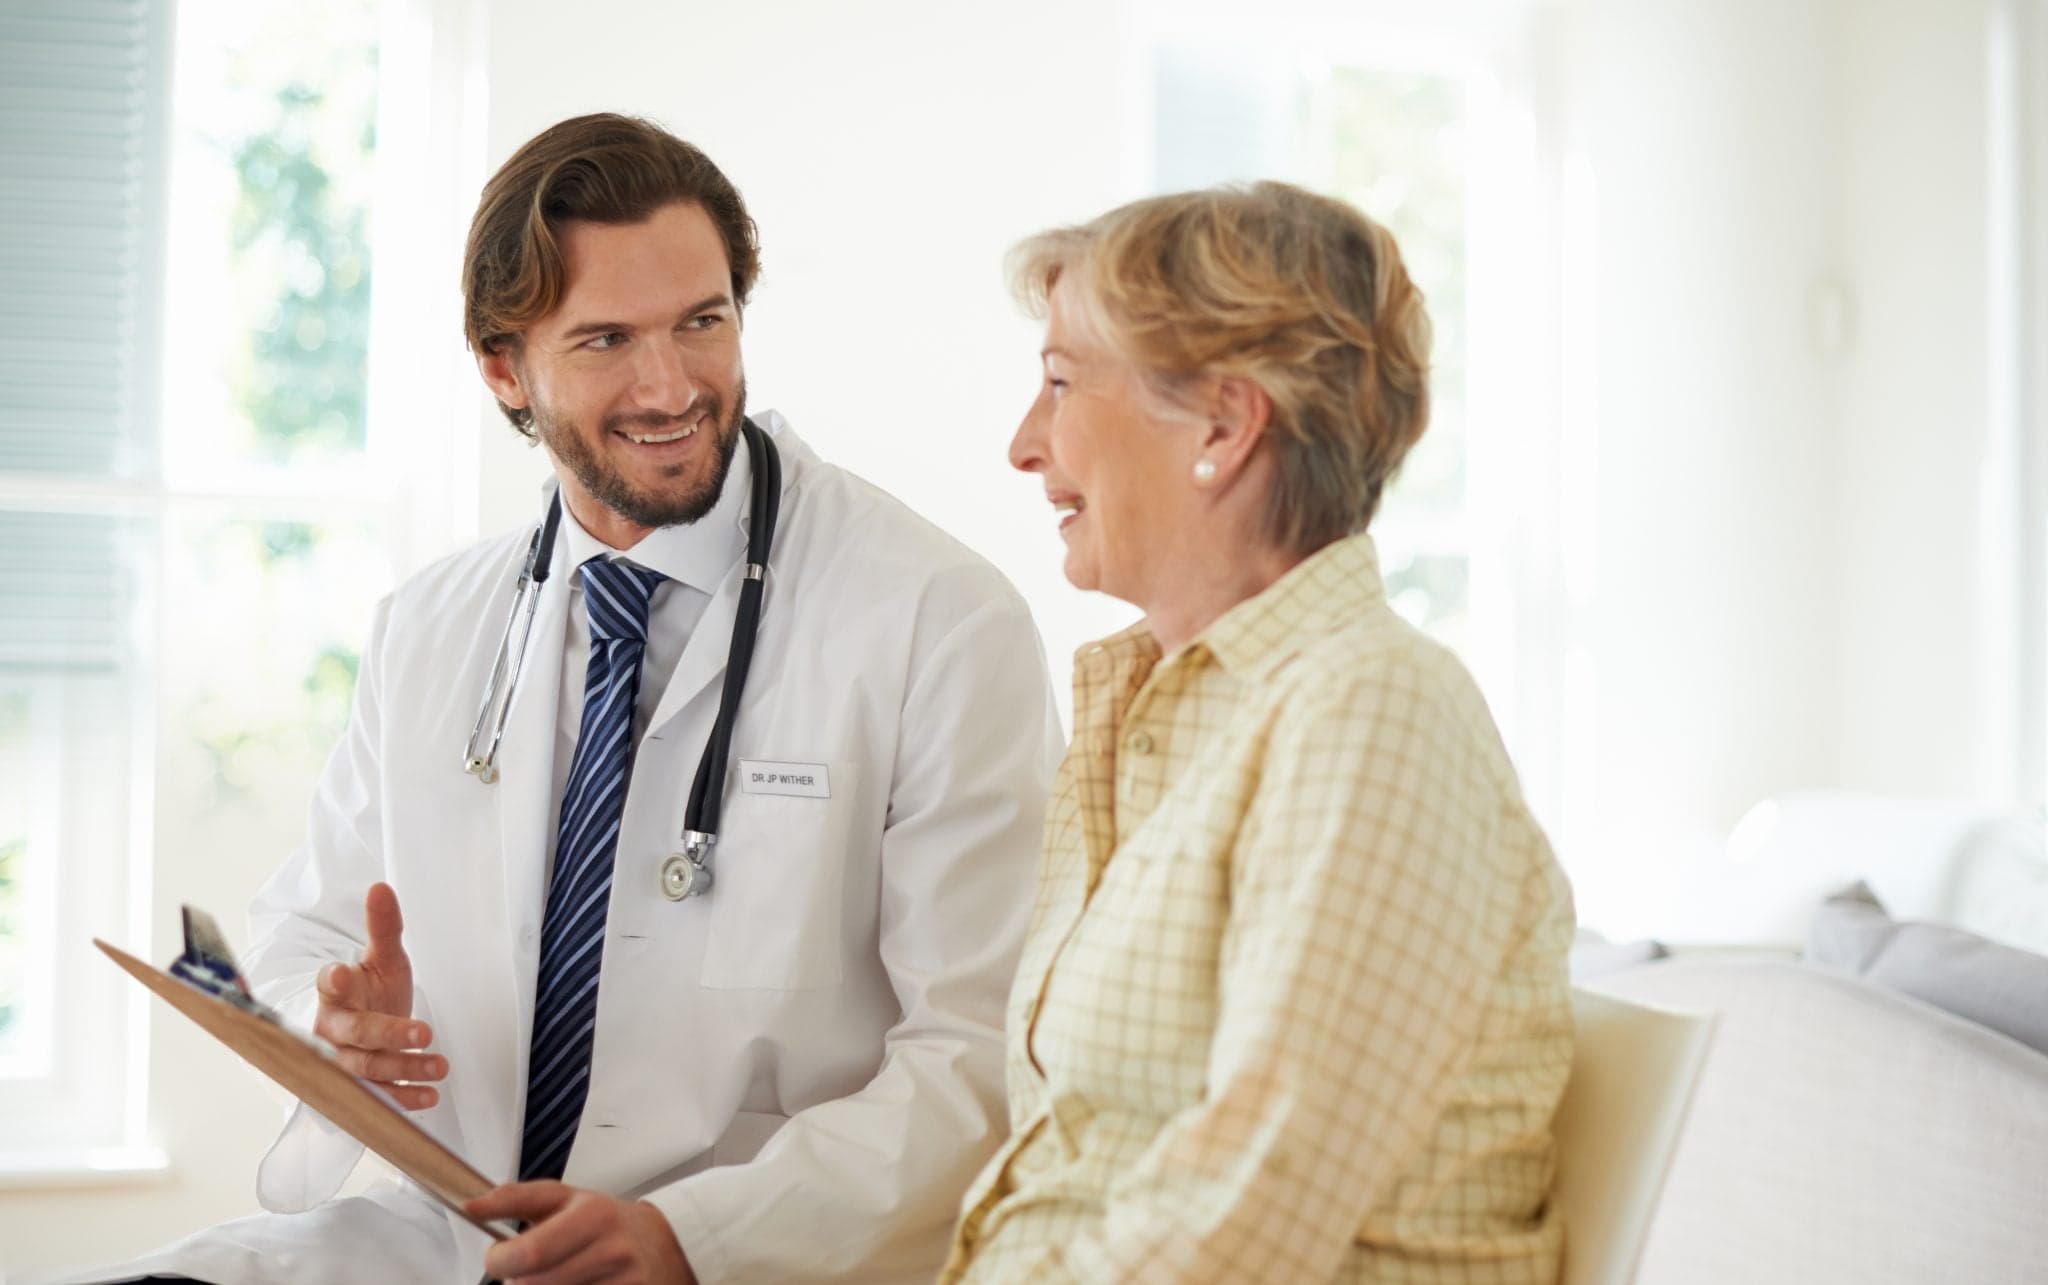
681, 879
688, 873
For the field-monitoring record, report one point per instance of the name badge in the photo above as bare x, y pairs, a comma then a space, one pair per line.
800, 780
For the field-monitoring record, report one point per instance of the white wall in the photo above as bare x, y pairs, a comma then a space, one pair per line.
1791, 556
891, 153
1703, 144
1919, 700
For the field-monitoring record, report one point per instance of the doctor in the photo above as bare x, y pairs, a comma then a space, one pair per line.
791, 1074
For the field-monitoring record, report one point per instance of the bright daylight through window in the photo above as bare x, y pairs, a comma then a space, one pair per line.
193, 519
1389, 139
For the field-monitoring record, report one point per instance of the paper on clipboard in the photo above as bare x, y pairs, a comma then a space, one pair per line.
205, 985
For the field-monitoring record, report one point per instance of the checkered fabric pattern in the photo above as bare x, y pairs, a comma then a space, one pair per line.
1293, 1005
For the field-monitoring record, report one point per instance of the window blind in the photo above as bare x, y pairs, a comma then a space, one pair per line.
82, 127
83, 124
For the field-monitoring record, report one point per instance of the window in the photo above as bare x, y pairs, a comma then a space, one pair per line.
197, 507
82, 157
1421, 117
1388, 139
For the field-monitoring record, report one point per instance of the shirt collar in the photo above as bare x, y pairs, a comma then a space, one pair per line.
1325, 591
698, 554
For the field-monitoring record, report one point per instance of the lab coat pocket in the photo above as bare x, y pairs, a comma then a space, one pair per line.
778, 905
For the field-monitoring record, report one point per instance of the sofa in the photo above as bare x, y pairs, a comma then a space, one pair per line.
1843, 1130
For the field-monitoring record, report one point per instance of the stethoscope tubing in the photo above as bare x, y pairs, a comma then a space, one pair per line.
764, 507
703, 812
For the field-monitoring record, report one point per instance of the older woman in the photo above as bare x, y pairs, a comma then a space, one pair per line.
1293, 1003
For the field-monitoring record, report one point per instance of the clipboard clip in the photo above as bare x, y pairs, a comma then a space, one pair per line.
208, 965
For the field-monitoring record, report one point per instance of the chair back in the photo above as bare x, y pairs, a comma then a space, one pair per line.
1632, 1077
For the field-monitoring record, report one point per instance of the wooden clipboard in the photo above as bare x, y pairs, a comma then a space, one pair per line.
322, 1084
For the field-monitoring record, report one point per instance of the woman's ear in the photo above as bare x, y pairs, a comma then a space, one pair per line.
1239, 412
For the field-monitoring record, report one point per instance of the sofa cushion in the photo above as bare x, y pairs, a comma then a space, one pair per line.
1844, 1132
2001, 987
1593, 955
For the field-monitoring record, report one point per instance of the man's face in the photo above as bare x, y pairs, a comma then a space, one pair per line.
634, 381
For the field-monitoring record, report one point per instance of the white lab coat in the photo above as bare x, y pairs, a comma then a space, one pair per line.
803, 1069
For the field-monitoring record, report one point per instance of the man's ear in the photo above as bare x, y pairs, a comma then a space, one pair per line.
500, 369
1239, 412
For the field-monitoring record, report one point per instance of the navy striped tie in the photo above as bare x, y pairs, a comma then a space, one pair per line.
572, 932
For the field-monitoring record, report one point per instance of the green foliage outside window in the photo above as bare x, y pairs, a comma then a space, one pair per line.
14, 753
300, 230
12, 860
305, 381
1396, 150
287, 144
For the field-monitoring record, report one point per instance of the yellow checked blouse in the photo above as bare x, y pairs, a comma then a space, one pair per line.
1293, 1002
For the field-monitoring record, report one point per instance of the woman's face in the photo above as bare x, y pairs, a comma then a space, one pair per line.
1115, 470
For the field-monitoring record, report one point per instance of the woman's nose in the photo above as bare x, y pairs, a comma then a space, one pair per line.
1027, 446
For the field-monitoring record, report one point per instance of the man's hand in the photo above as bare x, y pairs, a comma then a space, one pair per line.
577, 1236
366, 1011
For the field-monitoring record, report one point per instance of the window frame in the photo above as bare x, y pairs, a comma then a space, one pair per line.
421, 498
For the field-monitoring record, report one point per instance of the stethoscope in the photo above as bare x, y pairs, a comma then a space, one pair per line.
686, 873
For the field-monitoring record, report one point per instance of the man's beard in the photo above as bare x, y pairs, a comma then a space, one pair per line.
643, 508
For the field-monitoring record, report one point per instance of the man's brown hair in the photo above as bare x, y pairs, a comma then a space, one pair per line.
602, 168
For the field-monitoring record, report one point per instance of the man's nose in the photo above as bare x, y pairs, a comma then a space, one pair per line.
662, 378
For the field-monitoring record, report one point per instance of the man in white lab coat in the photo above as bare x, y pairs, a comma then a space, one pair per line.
791, 1076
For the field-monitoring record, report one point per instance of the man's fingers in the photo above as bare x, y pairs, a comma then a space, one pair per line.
340, 985
413, 1097
360, 1029
525, 1201
601, 1260
386, 929
388, 1067
561, 1226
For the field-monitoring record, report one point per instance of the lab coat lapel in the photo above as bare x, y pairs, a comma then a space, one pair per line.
525, 796
702, 665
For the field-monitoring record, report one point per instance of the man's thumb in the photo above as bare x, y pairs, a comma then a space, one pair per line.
386, 926
338, 986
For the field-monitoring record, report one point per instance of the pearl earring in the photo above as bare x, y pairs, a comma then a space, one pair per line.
1205, 470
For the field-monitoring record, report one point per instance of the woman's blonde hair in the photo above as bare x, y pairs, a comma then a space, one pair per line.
1299, 293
